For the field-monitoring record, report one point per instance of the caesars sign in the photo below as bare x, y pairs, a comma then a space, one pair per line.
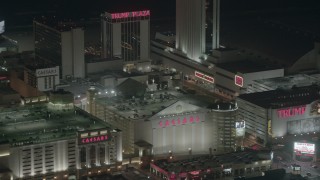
304, 148
93, 137
47, 72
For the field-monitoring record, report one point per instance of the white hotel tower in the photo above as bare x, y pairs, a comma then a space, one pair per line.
190, 27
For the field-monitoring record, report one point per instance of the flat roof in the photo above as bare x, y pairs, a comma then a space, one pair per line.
203, 162
281, 98
59, 24
34, 124
35, 66
248, 66
144, 109
287, 82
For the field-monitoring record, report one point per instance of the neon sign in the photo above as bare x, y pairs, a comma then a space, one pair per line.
292, 111
94, 139
238, 80
175, 122
204, 77
130, 14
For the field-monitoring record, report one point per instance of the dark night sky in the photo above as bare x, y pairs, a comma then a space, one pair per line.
83, 8
240, 19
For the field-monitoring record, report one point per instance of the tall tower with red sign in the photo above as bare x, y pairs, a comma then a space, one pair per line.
126, 35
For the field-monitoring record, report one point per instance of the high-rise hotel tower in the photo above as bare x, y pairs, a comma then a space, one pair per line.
126, 35
191, 24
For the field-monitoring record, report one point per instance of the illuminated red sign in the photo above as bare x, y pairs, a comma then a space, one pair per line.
130, 14
304, 148
204, 77
194, 173
94, 139
175, 122
238, 80
291, 111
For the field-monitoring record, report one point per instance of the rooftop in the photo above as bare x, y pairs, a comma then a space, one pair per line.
248, 66
38, 124
209, 161
58, 24
281, 98
152, 104
287, 82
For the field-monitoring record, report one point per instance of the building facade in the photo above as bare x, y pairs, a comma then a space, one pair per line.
280, 112
126, 35
98, 107
44, 79
190, 27
227, 166
184, 128
81, 146
60, 44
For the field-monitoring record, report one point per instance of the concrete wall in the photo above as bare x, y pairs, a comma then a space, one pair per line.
78, 53
101, 66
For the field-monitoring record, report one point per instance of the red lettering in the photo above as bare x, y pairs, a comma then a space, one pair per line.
94, 139
178, 121
197, 119
167, 123
296, 111
191, 119
303, 109
184, 121
160, 124
127, 14
290, 112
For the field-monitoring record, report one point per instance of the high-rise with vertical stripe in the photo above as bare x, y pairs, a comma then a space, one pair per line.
191, 25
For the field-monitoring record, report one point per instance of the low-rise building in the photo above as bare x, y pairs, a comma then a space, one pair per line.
247, 163
280, 112
41, 142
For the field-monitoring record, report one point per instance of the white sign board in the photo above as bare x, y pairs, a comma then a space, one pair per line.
47, 72
304, 148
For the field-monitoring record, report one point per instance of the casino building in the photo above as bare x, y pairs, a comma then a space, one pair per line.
184, 128
46, 143
279, 112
